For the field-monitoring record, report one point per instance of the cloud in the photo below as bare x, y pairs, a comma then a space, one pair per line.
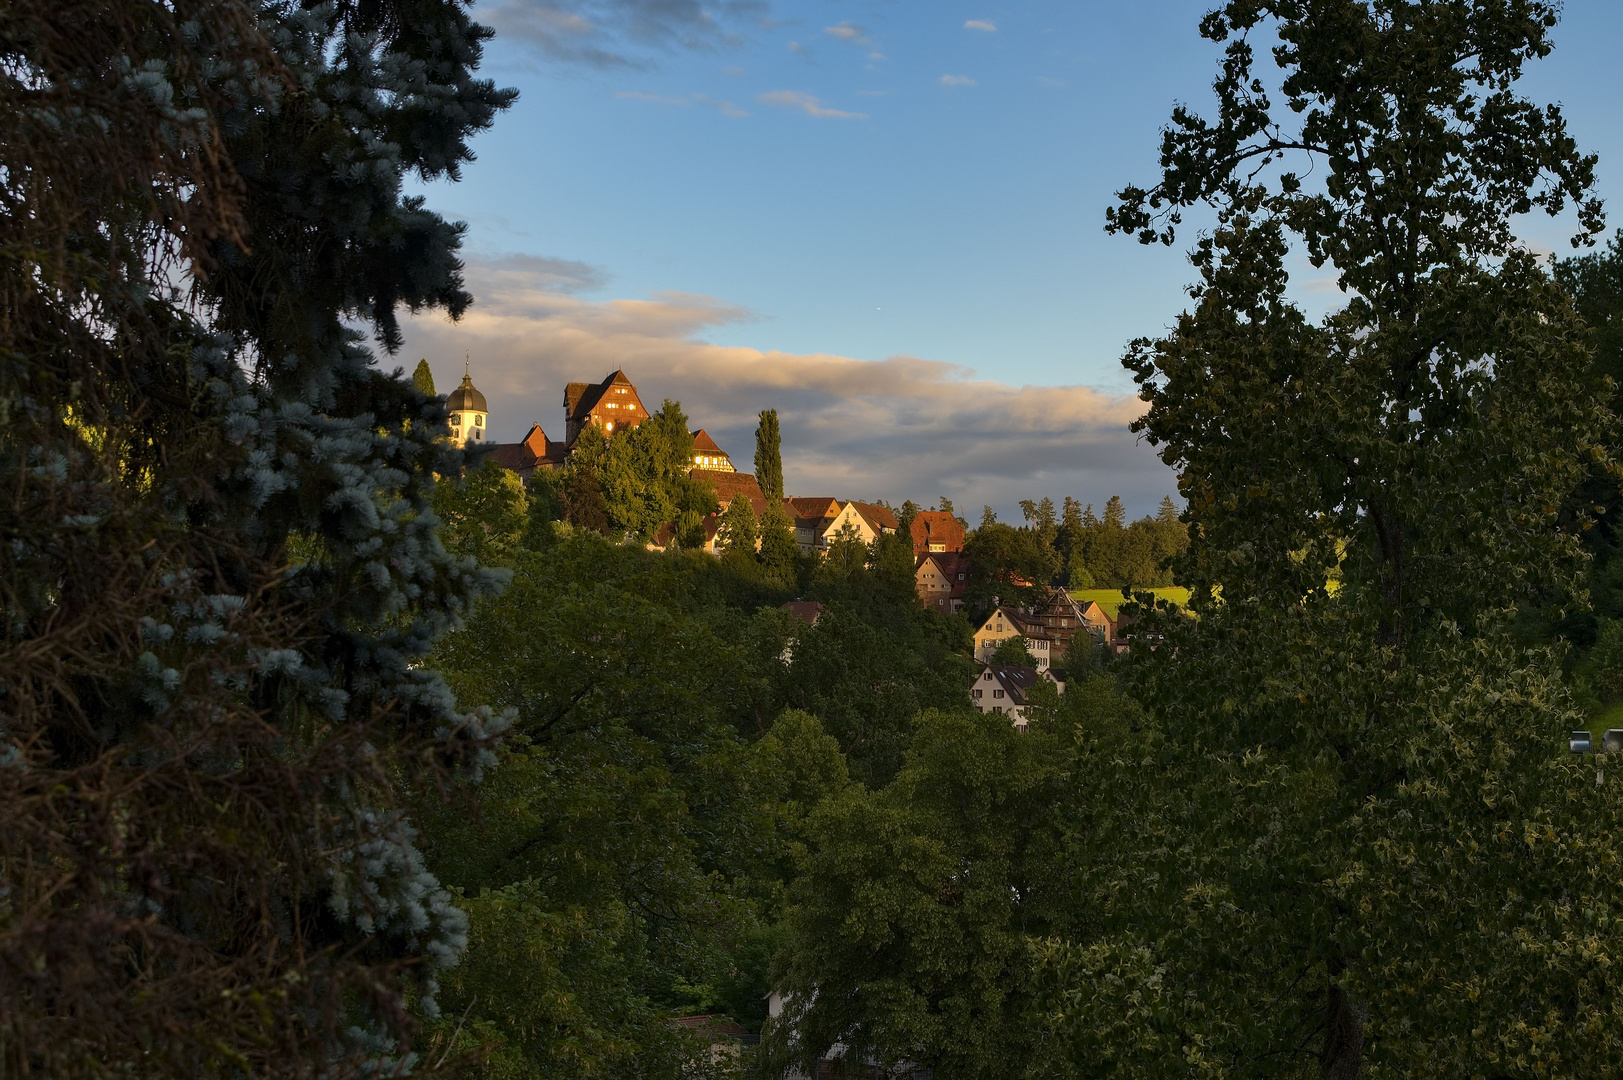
957, 80
898, 428
726, 108
985, 26
850, 33
811, 106
622, 33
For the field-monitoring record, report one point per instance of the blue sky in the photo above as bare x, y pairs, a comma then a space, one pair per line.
882, 218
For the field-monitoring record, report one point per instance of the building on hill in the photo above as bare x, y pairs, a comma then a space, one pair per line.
1005, 689
534, 451
612, 404
938, 531
940, 579
1048, 629
468, 411
708, 456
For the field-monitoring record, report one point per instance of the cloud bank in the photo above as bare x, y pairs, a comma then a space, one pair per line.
621, 33
898, 428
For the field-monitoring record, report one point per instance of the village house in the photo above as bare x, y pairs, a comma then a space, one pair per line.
612, 404
936, 531
708, 456
1048, 630
1005, 689
940, 579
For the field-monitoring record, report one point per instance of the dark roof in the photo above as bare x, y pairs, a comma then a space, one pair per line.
465, 398
807, 611
581, 398
1016, 681
812, 509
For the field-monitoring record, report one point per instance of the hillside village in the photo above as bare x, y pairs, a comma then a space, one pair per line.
1017, 644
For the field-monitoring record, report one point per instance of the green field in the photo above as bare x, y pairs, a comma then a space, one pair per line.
1112, 599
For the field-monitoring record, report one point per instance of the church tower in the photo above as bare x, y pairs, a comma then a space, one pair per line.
468, 410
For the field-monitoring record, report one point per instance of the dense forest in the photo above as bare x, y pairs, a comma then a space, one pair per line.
329, 750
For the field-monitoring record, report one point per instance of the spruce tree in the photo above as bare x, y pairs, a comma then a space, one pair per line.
769, 456
222, 569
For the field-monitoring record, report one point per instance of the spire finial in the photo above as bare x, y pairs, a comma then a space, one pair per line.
466, 365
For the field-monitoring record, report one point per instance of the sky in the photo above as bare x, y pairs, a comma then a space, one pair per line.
883, 218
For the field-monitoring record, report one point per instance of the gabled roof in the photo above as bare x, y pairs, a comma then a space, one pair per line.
522, 457
704, 444
877, 517
1016, 681
949, 564
812, 509
581, 398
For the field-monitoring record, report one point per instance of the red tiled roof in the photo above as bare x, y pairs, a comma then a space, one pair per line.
727, 484
704, 444
812, 508
523, 457
937, 527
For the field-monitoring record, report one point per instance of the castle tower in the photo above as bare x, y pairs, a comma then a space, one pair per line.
468, 410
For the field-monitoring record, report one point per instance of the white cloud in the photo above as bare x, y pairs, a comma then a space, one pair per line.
985, 26
850, 33
806, 103
957, 80
622, 33
902, 427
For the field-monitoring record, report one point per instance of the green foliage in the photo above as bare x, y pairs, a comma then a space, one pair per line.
769, 456
484, 514
423, 379
915, 905
1347, 804
643, 474
1007, 563
737, 533
606, 865
779, 552
1015, 651
846, 557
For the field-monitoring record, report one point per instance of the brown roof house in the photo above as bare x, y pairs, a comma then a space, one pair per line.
1005, 689
1048, 629
937, 530
612, 403
940, 579
707, 455
534, 451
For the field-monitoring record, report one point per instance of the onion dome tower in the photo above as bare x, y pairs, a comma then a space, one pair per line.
468, 410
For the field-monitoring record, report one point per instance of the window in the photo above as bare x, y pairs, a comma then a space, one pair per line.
977, 692
609, 426
997, 693
997, 709
938, 547
987, 676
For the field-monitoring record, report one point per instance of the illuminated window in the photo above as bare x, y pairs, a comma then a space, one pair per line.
938, 547
609, 426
